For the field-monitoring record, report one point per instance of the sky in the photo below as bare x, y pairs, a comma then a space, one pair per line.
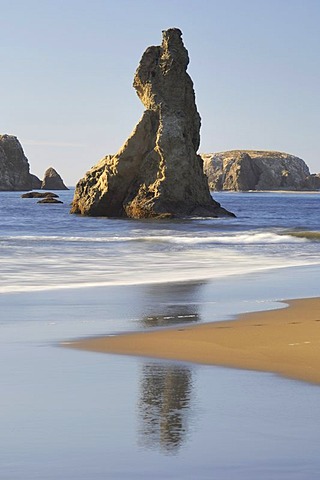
68, 67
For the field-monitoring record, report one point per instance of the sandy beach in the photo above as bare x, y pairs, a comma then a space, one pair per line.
284, 341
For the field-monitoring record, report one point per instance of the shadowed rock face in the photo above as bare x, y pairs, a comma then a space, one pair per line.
312, 182
36, 182
14, 166
157, 172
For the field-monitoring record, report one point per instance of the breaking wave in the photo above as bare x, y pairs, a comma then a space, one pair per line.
306, 235
240, 238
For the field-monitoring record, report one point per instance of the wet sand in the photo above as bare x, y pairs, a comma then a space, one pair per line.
284, 341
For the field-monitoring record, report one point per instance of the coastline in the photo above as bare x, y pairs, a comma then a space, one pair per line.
284, 341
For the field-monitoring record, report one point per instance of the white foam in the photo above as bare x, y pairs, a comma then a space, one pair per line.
241, 238
201, 270
247, 238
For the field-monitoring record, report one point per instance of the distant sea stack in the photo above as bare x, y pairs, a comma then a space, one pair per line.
157, 173
14, 166
52, 180
241, 170
15, 169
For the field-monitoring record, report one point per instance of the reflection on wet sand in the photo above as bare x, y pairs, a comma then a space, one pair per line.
164, 406
165, 388
183, 316
173, 301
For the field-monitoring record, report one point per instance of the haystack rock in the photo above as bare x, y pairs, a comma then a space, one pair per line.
242, 170
52, 180
157, 172
14, 166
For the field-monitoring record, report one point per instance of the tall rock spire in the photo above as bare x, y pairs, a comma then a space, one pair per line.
157, 172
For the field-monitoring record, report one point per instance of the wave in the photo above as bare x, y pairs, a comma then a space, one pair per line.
244, 238
146, 278
66, 267
240, 238
308, 235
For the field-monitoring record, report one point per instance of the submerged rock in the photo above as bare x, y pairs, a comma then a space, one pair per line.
14, 166
157, 172
52, 180
241, 170
49, 200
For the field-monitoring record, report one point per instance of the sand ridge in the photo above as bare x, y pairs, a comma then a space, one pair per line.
285, 341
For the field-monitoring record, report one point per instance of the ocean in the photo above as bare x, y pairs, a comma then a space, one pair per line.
43, 247
69, 414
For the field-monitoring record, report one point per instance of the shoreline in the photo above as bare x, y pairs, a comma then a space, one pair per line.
285, 341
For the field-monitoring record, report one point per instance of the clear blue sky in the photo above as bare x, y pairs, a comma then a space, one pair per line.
68, 66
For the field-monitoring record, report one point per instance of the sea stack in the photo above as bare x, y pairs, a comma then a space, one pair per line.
157, 173
242, 170
14, 166
52, 180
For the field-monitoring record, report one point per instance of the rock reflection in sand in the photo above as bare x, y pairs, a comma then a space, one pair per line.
165, 388
164, 406
177, 302
183, 316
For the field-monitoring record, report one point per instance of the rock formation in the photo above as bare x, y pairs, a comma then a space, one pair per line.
39, 195
255, 170
52, 180
14, 166
312, 182
36, 182
46, 197
15, 169
49, 200
157, 172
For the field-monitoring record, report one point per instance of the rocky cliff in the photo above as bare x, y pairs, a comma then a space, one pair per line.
157, 172
312, 182
14, 166
256, 170
52, 180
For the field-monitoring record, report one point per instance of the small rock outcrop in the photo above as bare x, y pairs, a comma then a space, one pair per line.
14, 166
52, 180
157, 172
39, 195
241, 170
49, 200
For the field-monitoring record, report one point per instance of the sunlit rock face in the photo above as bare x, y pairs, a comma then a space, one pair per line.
157, 172
14, 166
242, 170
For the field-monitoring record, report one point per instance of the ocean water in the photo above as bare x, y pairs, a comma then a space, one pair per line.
44, 247
69, 414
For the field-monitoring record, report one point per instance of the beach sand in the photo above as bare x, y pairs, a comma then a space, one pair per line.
284, 341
